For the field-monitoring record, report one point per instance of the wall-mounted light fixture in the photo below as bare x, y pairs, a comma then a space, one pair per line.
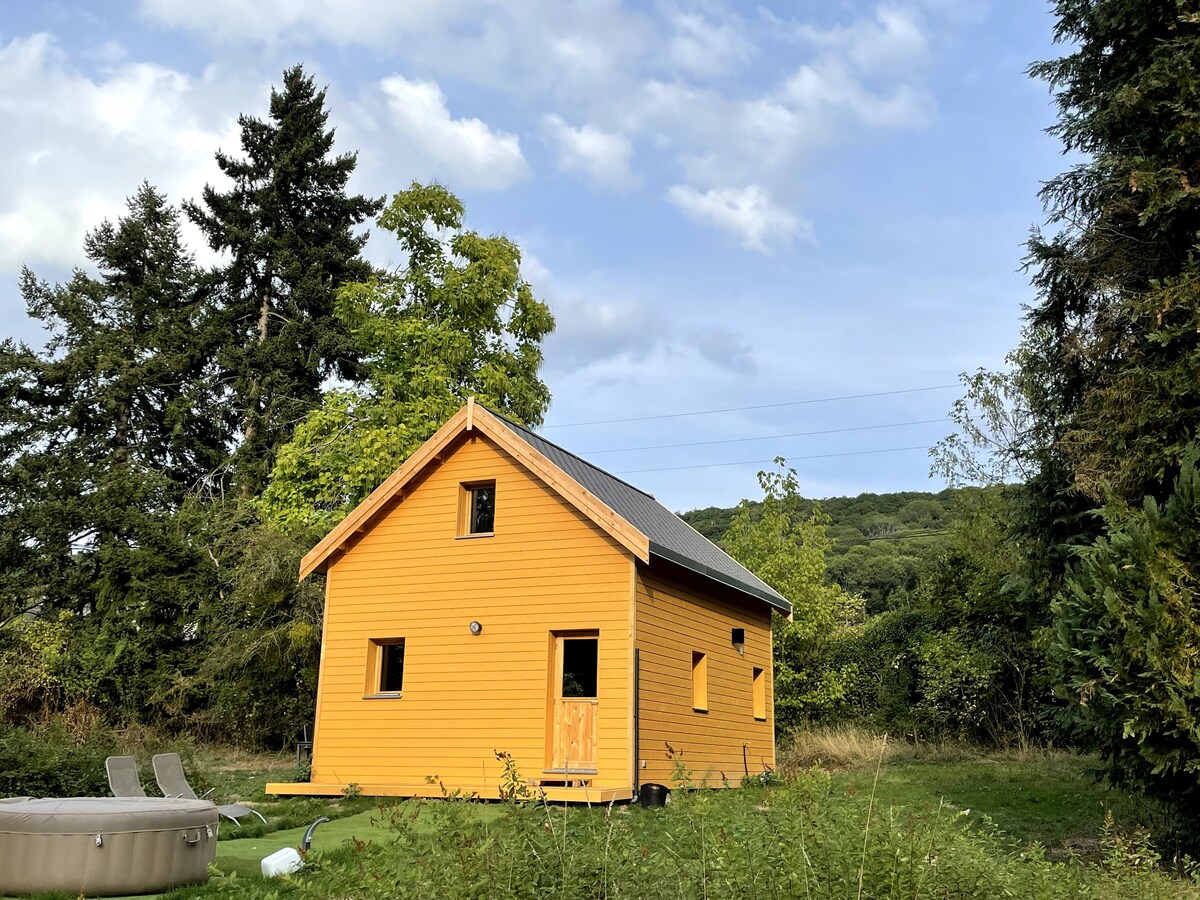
738, 639
475, 627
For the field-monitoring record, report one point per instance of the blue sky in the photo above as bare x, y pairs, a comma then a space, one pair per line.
727, 207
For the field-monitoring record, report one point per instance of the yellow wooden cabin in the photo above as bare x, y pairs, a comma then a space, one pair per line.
498, 593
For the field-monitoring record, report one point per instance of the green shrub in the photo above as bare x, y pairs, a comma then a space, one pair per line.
884, 655
64, 757
51, 761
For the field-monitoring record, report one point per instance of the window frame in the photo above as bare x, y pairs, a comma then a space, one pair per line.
376, 668
466, 508
758, 696
699, 681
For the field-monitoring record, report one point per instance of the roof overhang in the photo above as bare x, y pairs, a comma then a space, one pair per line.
472, 418
773, 600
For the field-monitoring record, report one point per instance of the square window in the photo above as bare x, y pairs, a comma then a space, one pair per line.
385, 667
477, 509
700, 681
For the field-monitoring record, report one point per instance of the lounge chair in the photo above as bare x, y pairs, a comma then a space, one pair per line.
168, 772
123, 778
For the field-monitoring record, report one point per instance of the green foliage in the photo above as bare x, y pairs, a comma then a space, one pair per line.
104, 432
881, 543
1103, 398
787, 551
1127, 641
883, 656
458, 321
812, 836
288, 229
260, 628
50, 761
63, 755
956, 676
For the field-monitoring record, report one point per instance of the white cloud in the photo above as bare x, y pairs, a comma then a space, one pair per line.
828, 91
603, 328
747, 214
76, 147
371, 22
673, 79
465, 151
600, 155
703, 47
892, 41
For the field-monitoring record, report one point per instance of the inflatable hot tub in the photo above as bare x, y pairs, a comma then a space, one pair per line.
103, 846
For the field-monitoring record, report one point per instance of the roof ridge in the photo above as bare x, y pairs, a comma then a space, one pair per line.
588, 463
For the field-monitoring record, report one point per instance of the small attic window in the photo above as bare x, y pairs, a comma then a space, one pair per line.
477, 509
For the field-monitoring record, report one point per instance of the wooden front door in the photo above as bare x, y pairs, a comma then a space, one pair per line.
574, 702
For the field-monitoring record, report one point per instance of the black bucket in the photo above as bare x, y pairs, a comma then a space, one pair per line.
652, 795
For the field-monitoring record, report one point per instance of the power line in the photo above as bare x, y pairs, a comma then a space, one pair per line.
762, 462
768, 437
709, 412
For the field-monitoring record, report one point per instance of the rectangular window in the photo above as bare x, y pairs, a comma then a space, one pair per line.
700, 681
477, 509
580, 657
760, 694
385, 667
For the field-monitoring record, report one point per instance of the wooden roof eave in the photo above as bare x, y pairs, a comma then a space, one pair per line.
469, 418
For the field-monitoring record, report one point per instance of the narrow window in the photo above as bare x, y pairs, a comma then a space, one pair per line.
700, 681
386, 667
477, 509
760, 694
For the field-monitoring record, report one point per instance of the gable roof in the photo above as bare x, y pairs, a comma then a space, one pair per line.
632, 517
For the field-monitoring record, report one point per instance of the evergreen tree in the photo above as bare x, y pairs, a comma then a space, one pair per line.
287, 225
1112, 349
1107, 373
103, 434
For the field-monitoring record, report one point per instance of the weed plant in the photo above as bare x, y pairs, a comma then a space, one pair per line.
808, 837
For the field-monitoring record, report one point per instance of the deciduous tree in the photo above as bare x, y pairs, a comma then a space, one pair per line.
459, 320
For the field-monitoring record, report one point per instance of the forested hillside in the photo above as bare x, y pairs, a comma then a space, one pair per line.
881, 543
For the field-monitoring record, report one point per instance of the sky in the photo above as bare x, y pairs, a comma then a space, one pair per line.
773, 229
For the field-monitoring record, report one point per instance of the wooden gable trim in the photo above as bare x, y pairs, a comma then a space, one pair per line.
359, 517
564, 485
472, 417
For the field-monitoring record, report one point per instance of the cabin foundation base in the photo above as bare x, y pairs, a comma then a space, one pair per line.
489, 792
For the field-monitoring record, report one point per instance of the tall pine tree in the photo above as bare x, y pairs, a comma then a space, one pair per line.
287, 226
104, 433
1108, 370
1112, 347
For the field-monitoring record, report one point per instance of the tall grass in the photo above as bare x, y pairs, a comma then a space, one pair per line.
806, 838
835, 747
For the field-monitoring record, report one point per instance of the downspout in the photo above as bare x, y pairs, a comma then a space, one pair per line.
637, 720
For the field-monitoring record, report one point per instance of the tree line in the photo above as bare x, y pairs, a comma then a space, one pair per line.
186, 433
1063, 606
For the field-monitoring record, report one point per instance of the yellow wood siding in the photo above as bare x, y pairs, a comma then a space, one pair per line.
677, 616
547, 568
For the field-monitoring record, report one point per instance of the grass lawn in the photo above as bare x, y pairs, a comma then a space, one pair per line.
1043, 797
1051, 798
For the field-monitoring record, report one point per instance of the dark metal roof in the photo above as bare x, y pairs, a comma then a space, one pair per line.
671, 538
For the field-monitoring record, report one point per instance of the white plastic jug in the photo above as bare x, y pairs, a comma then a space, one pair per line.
281, 862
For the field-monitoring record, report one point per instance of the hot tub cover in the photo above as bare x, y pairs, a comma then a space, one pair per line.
105, 845
89, 815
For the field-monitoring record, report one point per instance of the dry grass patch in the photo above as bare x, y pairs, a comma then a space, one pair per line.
836, 747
